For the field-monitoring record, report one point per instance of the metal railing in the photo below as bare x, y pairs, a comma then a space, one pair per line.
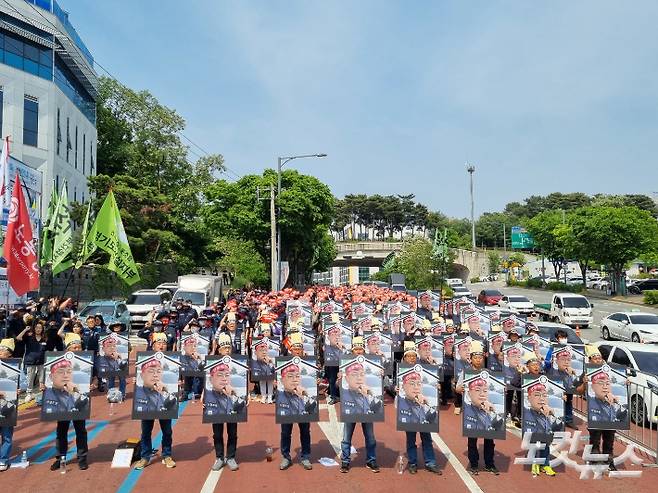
370, 245
643, 410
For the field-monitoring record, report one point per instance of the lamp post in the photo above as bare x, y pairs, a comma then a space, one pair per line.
282, 161
471, 169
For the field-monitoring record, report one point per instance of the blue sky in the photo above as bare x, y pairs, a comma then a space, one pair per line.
540, 96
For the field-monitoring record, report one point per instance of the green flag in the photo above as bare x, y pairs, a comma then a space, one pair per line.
46, 232
62, 235
83, 255
108, 234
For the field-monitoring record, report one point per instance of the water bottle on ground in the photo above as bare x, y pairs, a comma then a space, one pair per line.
24, 462
400, 464
62, 464
268, 454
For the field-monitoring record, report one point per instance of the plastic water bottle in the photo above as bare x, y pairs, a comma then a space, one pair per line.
24, 462
268, 454
400, 464
62, 464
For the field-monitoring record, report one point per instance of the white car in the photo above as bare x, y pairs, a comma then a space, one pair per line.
630, 326
517, 304
144, 301
574, 280
461, 291
642, 362
454, 281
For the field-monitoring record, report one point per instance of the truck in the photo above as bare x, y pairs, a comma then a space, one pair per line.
202, 290
566, 308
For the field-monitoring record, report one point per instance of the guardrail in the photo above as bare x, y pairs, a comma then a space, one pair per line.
643, 409
371, 245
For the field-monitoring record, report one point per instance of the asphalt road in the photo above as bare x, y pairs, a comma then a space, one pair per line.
602, 307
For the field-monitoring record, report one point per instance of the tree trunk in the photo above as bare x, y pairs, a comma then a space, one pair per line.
583, 271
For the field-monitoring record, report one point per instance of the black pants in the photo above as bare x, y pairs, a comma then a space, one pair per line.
513, 410
446, 388
608, 437
331, 372
474, 456
80, 437
218, 440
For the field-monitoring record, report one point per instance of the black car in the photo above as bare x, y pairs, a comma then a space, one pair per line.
643, 285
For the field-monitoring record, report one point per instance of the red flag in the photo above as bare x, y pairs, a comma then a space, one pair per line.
22, 267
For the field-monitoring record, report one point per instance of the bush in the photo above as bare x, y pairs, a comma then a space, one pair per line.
534, 283
651, 297
560, 286
514, 282
475, 279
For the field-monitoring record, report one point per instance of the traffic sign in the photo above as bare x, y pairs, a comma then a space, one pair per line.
521, 238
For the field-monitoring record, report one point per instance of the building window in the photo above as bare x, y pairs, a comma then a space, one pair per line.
364, 274
57, 184
91, 159
30, 121
75, 194
84, 152
83, 198
74, 90
2, 109
76, 147
68, 138
59, 132
25, 55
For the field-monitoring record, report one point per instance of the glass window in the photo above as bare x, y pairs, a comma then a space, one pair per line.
30, 122
74, 90
13, 45
57, 183
620, 357
84, 152
75, 194
76, 147
59, 131
648, 319
2, 108
68, 138
31, 52
604, 349
646, 361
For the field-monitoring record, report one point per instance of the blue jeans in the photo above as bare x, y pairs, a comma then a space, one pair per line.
568, 409
6, 435
122, 384
147, 443
428, 450
368, 434
304, 437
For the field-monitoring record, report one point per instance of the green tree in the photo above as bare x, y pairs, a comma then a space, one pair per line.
242, 259
542, 227
494, 259
617, 235
417, 262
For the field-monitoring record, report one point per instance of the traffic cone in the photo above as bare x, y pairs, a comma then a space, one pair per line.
578, 330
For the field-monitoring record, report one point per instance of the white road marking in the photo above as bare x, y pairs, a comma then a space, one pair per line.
211, 481
332, 429
466, 478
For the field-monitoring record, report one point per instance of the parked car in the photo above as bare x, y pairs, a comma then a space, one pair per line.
630, 326
454, 281
567, 308
592, 281
547, 330
641, 360
517, 304
574, 280
144, 301
110, 310
460, 291
489, 296
643, 285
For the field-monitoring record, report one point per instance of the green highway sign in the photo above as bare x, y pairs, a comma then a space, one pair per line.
521, 238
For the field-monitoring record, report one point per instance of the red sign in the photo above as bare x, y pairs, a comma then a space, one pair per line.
22, 267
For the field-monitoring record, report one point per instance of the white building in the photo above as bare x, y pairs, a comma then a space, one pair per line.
48, 92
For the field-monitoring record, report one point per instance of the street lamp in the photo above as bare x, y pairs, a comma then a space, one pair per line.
471, 169
282, 161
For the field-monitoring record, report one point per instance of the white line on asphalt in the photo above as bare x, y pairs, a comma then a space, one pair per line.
332, 429
459, 467
211, 481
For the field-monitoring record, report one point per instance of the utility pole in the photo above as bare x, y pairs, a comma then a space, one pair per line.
471, 169
504, 239
273, 242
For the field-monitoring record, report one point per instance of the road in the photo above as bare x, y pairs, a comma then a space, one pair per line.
602, 307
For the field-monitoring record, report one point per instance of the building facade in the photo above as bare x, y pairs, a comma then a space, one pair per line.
48, 92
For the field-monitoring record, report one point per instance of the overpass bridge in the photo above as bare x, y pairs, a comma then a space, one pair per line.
467, 263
